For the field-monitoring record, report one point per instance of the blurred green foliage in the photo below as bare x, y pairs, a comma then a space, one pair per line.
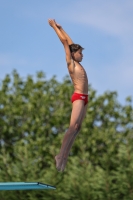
34, 116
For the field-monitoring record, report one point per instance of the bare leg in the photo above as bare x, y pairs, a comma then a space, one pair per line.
78, 112
66, 154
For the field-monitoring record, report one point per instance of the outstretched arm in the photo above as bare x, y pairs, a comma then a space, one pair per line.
62, 38
69, 40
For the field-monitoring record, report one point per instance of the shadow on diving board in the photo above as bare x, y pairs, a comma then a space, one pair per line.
25, 186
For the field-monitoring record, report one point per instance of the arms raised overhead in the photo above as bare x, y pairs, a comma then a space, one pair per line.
64, 38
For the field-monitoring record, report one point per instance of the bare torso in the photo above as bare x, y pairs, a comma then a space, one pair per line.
79, 77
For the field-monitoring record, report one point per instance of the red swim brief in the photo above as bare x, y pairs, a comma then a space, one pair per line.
77, 96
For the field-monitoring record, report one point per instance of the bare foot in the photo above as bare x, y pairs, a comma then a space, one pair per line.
58, 162
64, 162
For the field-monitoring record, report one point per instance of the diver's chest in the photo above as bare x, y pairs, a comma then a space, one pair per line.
79, 70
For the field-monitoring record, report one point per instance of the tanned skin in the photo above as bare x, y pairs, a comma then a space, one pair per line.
80, 83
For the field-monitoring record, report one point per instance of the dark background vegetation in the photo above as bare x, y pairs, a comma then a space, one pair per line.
34, 115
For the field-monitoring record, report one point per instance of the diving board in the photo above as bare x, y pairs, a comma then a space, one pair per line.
25, 186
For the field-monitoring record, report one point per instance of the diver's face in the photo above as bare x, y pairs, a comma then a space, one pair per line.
78, 55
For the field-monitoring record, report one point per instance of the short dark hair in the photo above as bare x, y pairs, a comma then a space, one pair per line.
75, 47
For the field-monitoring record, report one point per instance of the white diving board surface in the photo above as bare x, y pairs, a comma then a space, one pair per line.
25, 186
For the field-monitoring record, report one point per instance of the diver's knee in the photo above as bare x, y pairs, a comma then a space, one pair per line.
77, 126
